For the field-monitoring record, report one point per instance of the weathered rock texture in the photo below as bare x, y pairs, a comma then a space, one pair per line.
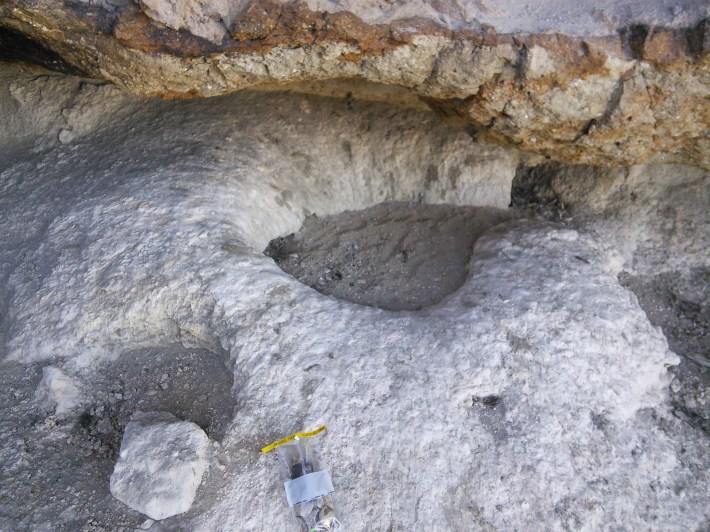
533, 397
632, 93
654, 217
161, 464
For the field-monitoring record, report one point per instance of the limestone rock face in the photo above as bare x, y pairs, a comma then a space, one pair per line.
593, 83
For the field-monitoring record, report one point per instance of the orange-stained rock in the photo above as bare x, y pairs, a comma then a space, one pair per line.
637, 95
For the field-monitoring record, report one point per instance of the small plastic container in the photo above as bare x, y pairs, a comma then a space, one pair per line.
309, 489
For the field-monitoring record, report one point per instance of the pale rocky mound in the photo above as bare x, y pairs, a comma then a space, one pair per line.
604, 83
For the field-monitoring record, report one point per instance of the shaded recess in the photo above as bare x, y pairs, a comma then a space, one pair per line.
395, 256
16, 48
192, 384
679, 303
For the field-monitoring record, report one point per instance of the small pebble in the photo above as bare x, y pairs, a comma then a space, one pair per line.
66, 136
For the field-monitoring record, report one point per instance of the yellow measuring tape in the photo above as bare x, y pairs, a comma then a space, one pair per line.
292, 437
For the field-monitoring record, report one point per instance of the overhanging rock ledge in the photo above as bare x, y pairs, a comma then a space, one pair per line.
587, 85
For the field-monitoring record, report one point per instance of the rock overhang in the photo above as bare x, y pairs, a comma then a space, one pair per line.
627, 92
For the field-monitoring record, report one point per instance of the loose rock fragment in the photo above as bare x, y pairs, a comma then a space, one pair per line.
57, 392
161, 464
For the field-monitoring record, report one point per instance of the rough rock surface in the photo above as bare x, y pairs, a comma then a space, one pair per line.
536, 393
161, 464
56, 392
606, 84
656, 218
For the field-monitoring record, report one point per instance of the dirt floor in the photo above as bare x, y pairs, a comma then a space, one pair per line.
395, 256
68, 461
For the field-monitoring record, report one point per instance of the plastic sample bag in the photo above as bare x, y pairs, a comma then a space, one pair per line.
309, 489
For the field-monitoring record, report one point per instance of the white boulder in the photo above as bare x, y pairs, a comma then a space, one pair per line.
161, 464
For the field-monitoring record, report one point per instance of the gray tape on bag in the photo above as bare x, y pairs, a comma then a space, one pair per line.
308, 487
